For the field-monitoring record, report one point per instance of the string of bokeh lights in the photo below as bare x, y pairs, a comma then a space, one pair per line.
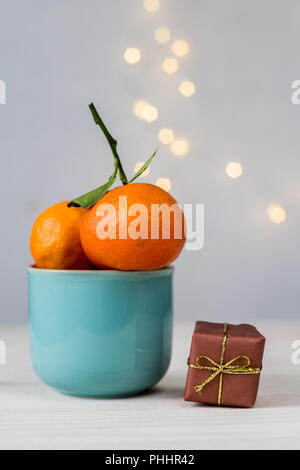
149, 113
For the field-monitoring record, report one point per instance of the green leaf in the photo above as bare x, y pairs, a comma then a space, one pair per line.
89, 199
144, 167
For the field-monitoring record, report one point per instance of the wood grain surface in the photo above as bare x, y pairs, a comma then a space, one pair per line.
32, 416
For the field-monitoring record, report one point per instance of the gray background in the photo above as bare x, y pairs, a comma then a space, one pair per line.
58, 55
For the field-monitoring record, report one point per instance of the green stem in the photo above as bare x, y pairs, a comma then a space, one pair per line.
112, 142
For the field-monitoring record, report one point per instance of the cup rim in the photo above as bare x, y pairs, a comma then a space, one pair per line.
100, 273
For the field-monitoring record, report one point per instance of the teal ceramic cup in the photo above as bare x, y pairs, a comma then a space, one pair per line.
100, 333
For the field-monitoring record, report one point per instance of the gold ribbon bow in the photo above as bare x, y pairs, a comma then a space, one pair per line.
220, 369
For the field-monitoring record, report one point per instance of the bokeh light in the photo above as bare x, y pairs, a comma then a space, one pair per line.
166, 136
152, 5
150, 113
132, 55
137, 168
276, 213
234, 170
162, 35
180, 148
139, 107
164, 183
180, 48
187, 88
170, 65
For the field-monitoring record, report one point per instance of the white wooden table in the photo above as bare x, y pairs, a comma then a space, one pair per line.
33, 416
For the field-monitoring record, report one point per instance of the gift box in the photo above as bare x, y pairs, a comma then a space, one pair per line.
225, 364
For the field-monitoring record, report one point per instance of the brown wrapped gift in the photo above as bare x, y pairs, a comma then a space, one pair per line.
224, 364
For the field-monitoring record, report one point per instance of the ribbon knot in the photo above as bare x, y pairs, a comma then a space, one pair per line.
218, 369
